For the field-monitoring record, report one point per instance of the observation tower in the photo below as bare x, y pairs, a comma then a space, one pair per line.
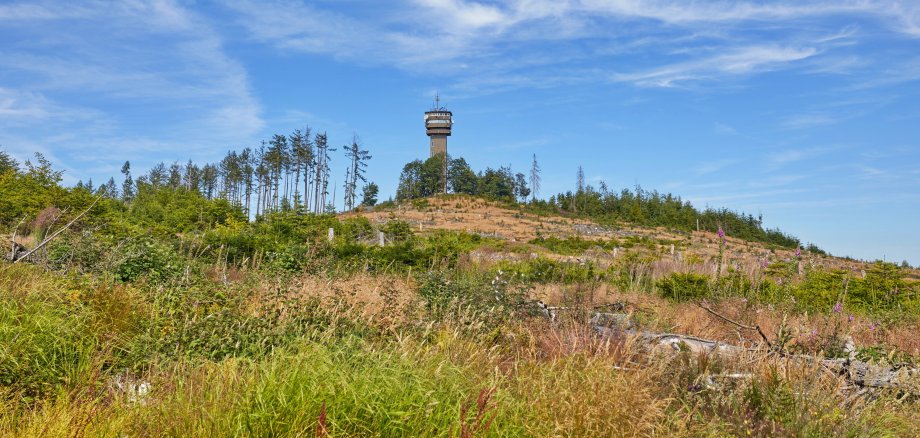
438, 122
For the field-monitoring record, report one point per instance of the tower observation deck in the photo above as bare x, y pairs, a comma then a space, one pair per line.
438, 123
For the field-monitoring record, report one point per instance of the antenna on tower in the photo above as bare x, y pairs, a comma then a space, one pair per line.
437, 101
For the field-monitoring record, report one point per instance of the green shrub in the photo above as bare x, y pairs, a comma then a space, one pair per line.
147, 257
573, 245
684, 286
544, 270
44, 345
397, 230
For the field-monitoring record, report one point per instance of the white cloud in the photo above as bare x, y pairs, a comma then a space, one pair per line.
488, 46
147, 55
713, 166
798, 154
738, 61
83, 94
463, 15
805, 121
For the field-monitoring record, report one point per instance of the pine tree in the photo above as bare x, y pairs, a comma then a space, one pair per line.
175, 175
580, 188
111, 189
534, 178
127, 187
7, 163
357, 164
157, 175
369, 194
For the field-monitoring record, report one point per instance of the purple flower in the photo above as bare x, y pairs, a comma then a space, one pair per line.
838, 307
872, 326
722, 235
851, 318
798, 252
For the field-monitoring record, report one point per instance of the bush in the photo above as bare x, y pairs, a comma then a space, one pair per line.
147, 257
397, 230
684, 286
45, 343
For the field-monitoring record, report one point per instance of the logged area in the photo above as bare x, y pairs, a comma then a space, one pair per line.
445, 316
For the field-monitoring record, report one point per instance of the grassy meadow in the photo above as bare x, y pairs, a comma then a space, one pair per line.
172, 315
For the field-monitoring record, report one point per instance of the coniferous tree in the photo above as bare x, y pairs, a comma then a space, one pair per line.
277, 157
357, 163
111, 189
580, 188
157, 175
127, 187
305, 156
192, 178
321, 171
534, 178
209, 180
520, 187
369, 194
175, 175
246, 159
7, 163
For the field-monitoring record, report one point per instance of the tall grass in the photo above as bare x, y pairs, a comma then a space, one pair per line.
261, 358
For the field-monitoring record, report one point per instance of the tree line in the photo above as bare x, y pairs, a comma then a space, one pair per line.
291, 173
286, 173
421, 179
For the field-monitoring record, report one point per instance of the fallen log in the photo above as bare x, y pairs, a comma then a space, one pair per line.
861, 374
58, 232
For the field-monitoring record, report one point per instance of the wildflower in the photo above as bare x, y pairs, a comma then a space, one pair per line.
851, 318
798, 252
838, 307
872, 326
722, 235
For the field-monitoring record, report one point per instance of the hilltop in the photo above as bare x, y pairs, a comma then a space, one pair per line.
524, 232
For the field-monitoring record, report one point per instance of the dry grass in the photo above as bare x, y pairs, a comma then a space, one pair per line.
477, 216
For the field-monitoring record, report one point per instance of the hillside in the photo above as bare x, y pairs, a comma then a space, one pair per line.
516, 228
172, 314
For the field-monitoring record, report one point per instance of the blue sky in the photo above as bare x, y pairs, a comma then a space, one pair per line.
805, 112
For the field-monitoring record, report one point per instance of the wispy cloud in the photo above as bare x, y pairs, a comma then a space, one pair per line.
106, 69
487, 47
811, 120
713, 166
738, 61
798, 154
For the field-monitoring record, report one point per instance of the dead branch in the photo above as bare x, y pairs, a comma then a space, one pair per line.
15, 246
861, 374
56, 233
736, 323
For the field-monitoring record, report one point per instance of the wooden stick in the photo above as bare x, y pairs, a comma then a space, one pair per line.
56, 233
737, 324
